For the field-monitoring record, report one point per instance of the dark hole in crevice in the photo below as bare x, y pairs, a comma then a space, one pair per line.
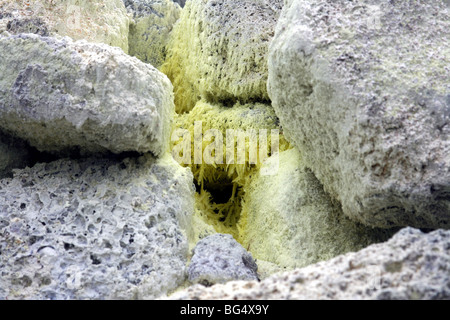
225, 198
220, 191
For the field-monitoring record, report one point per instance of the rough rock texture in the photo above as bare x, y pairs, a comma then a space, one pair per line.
95, 229
412, 265
361, 88
62, 96
219, 258
219, 179
14, 153
150, 30
289, 220
104, 21
218, 51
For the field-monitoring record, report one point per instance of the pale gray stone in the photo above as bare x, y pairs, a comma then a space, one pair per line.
95, 229
361, 88
219, 258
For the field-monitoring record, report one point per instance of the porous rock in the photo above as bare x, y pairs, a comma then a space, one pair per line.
288, 219
152, 24
103, 21
411, 265
95, 229
63, 96
218, 51
361, 88
219, 258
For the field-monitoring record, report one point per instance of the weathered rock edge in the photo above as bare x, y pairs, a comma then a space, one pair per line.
411, 265
62, 96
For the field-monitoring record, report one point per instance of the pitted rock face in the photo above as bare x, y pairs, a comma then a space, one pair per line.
62, 96
219, 258
361, 88
95, 229
218, 51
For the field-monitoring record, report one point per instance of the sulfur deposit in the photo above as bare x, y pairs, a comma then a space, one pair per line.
224, 149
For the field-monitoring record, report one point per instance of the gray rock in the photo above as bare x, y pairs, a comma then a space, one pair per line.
411, 265
361, 88
14, 154
219, 258
63, 96
95, 229
218, 51
152, 24
97, 21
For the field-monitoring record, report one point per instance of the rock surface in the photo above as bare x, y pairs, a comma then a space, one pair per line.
411, 265
362, 90
63, 96
219, 258
221, 170
95, 229
218, 51
150, 30
288, 219
103, 21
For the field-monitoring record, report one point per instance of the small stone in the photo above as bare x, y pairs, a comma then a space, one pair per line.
219, 258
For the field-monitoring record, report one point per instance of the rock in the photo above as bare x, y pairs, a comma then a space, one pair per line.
180, 2
361, 88
219, 258
103, 21
289, 220
63, 96
218, 51
411, 265
238, 148
95, 229
150, 30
